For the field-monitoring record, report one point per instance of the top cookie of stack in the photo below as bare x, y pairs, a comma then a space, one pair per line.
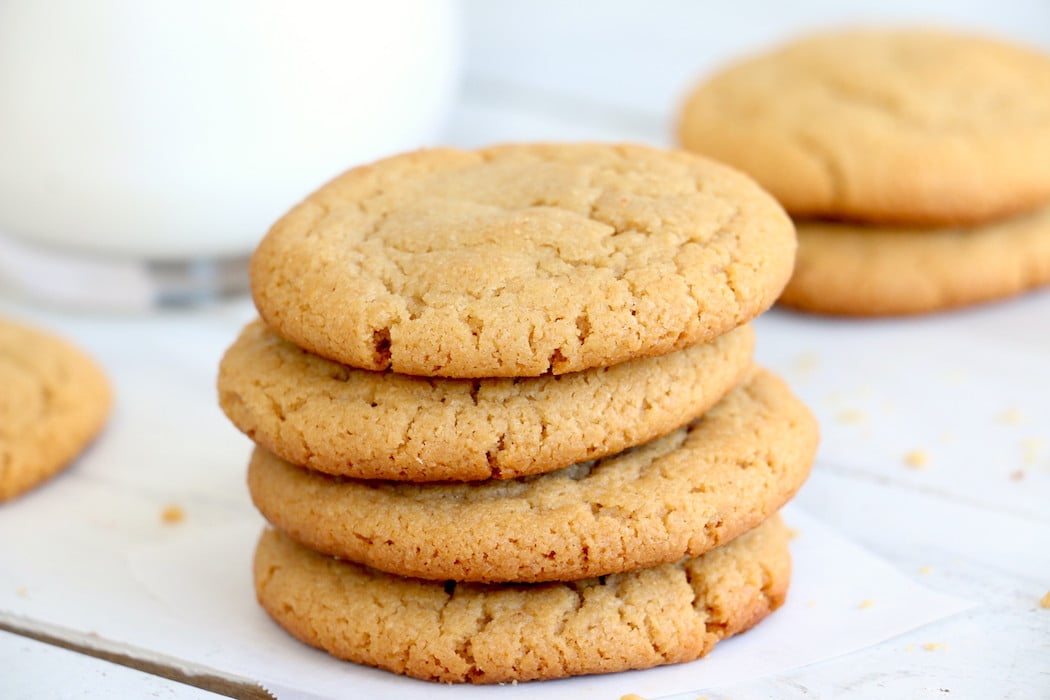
518, 261
916, 163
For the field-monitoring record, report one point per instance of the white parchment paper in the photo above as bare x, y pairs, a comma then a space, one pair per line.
90, 557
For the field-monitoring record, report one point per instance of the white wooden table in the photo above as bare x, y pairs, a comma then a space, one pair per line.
970, 390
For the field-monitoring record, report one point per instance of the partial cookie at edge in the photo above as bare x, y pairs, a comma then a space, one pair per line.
502, 633
54, 401
381, 425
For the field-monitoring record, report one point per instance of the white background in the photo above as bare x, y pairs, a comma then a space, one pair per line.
969, 388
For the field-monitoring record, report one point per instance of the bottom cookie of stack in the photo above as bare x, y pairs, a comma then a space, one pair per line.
492, 633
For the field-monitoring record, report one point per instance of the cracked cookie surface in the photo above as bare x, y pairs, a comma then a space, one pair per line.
337, 419
869, 270
53, 401
679, 495
904, 126
504, 632
521, 260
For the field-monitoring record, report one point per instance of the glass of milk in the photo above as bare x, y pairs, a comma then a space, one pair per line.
146, 147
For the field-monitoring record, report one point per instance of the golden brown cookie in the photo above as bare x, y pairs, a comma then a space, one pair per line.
521, 260
382, 425
906, 126
868, 270
677, 496
54, 400
504, 632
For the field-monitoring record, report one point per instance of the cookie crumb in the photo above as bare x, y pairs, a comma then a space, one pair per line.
1010, 416
23, 592
631, 696
925, 570
934, 646
867, 603
792, 533
172, 515
917, 459
910, 647
1017, 475
1044, 602
1031, 448
852, 417
806, 362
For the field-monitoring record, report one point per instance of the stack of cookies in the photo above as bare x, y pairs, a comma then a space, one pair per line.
507, 422
915, 162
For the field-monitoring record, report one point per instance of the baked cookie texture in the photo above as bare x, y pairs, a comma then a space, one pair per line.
894, 126
54, 400
506, 419
869, 270
522, 260
679, 495
455, 632
340, 420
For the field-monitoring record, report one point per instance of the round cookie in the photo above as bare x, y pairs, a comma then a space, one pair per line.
54, 401
869, 271
905, 126
677, 496
382, 425
520, 260
499, 633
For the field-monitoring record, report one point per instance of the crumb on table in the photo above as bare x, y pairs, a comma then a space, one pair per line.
925, 570
1044, 602
934, 646
1010, 416
1031, 447
172, 514
866, 603
852, 417
917, 459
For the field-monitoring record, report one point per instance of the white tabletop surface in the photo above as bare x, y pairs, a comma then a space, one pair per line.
974, 521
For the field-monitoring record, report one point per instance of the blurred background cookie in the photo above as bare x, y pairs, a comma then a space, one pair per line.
944, 134
54, 401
